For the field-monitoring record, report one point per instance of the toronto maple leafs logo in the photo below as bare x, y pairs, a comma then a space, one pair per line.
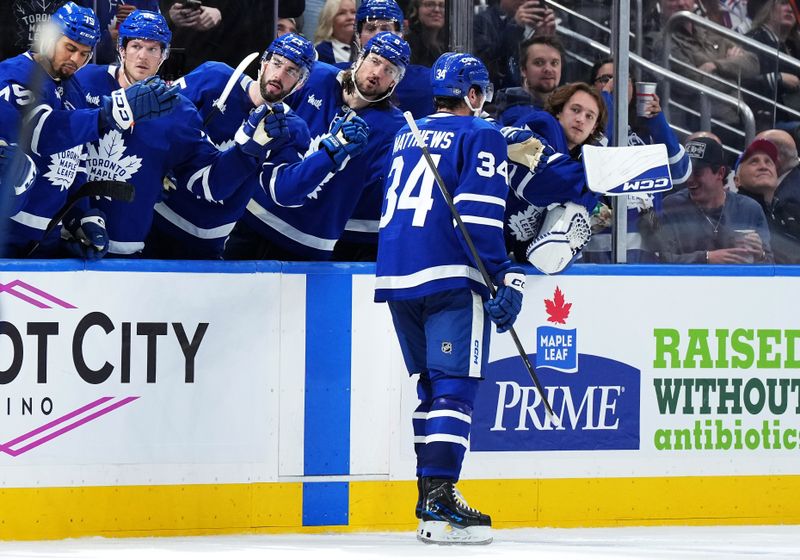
63, 167
314, 146
557, 348
107, 161
525, 225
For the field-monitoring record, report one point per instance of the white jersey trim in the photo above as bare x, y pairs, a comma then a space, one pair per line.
368, 226
426, 275
182, 223
37, 131
125, 247
31, 220
442, 438
481, 221
274, 222
446, 414
467, 197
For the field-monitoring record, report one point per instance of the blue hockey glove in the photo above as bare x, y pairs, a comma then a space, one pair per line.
143, 100
347, 138
85, 233
504, 307
16, 169
264, 130
527, 148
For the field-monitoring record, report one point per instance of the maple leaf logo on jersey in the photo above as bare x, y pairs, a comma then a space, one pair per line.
107, 160
313, 147
63, 167
557, 309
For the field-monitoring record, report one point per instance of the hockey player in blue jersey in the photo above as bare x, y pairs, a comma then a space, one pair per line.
187, 226
270, 230
60, 124
173, 145
436, 294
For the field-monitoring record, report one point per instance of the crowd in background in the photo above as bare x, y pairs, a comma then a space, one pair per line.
717, 178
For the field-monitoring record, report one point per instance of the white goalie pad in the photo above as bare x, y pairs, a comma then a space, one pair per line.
627, 170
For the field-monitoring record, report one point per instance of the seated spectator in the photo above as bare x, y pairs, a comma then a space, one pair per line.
699, 224
782, 205
642, 208
550, 204
774, 25
286, 25
334, 35
707, 52
427, 34
498, 31
540, 63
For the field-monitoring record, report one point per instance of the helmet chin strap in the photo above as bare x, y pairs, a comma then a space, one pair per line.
477, 111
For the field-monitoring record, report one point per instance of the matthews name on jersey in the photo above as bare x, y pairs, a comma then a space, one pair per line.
201, 226
415, 212
58, 133
313, 229
174, 144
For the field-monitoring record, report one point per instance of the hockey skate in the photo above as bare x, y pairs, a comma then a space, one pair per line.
447, 519
565, 231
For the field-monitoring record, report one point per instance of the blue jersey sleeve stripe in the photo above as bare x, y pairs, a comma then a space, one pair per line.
479, 198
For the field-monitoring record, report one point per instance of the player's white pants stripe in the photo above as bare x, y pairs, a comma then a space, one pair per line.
125, 247
31, 220
442, 438
182, 223
289, 231
427, 275
442, 414
467, 197
480, 220
476, 357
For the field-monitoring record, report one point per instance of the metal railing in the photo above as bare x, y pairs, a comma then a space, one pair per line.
637, 34
707, 92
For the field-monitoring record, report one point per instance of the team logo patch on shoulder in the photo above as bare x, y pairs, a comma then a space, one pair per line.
447, 347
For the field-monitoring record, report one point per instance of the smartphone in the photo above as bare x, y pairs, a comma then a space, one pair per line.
193, 4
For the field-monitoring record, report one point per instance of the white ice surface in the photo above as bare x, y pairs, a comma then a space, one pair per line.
650, 543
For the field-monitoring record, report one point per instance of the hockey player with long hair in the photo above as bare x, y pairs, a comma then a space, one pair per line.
439, 302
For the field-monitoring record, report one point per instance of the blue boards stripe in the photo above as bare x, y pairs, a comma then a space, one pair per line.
327, 397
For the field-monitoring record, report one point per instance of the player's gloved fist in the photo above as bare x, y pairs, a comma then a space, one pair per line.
526, 147
148, 99
348, 137
264, 130
16, 168
504, 307
85, 233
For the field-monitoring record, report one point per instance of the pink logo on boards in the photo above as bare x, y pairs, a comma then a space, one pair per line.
33, 295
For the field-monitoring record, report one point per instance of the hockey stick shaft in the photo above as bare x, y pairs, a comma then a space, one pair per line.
116, 190
475, 256
219, 104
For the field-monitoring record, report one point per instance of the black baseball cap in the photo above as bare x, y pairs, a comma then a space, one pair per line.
705, 152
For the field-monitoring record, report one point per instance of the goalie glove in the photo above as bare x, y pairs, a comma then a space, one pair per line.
264, 130
526, 147
143, 100
504, 307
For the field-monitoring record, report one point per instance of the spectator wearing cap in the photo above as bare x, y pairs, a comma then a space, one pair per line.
704, 223
757, 177
775, 26
788, 163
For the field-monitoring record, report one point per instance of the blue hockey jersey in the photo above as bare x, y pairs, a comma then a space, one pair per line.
60, 126
313, 229
171, 145
198, 227
420, 249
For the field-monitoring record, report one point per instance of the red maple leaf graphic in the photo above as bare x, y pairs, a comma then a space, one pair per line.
557, 309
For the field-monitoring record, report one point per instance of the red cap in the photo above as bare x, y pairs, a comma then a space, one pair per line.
761, 145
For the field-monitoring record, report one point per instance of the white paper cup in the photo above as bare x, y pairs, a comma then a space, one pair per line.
645, 93
740, 236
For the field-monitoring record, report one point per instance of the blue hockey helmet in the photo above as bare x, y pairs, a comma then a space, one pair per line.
454, 74
149, 26
296, 48
77, 23
391, 47
386, 10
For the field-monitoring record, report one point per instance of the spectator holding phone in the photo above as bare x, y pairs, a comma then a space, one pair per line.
192, 14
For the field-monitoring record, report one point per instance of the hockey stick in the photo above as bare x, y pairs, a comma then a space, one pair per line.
475, 256
115, 190
219, 105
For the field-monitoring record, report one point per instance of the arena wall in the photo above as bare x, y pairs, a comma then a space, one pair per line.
157, 398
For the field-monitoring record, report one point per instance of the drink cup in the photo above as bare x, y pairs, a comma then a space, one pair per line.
645, 93
741, 236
